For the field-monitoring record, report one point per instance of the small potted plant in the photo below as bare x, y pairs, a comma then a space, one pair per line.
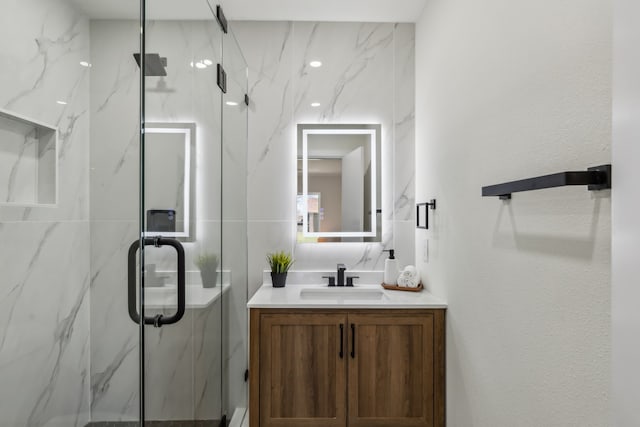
208, 265
279, 263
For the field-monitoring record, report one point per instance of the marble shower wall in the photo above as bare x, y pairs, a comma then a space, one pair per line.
367, 76
44, 288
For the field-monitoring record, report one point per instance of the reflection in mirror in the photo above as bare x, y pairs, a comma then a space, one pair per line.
338, 183
169, 179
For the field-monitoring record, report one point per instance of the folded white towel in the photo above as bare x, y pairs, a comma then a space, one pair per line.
409, 277
411, 271
402, 281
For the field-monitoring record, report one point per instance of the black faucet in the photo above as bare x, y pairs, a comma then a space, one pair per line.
341, 269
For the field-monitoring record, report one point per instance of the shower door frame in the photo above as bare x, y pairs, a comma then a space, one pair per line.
141, 216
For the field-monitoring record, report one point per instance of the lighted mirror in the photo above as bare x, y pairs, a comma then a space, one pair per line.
338, 198
169, 180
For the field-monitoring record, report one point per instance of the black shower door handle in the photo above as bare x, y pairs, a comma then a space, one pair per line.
158, 320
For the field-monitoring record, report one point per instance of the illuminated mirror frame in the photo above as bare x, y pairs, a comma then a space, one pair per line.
188, 130
374, 131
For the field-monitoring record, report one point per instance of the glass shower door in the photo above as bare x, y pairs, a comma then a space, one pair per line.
181, 213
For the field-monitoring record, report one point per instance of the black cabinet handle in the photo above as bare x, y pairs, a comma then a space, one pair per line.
159, 319
341, 340
353, 341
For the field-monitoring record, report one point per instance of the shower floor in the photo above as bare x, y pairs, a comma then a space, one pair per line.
174, 423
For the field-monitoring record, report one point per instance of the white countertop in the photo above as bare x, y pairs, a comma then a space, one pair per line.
359, 296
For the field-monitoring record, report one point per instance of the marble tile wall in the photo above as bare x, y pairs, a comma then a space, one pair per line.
44, 251
367, 76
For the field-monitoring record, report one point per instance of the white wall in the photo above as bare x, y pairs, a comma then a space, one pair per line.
366, 77
353, 190
626, 211
506, 90
330, 189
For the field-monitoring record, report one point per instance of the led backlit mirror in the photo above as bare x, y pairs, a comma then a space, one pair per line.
338, 198
169, 180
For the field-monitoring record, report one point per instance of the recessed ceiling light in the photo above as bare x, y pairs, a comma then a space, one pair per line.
200, 65
315, 64
232, 103
85, 64
61, 102
315, 104
207, 62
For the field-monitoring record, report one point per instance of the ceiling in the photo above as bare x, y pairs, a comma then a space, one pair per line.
260, 10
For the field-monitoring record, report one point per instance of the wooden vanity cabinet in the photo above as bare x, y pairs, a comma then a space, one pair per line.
302, 377
347, 368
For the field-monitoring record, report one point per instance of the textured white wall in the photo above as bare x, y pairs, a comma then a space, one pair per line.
506, 90
626, 211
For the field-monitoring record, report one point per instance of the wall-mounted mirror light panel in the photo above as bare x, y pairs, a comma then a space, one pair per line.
28, 161
170, 180
338, 197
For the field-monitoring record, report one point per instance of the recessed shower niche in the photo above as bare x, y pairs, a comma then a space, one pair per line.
28, 161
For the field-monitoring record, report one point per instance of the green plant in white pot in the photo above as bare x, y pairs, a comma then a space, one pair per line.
279, 263
207, 263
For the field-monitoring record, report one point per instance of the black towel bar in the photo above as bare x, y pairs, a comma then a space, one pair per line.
597, 178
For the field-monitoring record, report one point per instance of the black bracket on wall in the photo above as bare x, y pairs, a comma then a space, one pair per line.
596, 178
222, 79
222, 20
246, 99
422, 214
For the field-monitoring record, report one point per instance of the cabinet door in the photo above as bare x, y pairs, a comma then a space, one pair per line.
302, 373
392, 370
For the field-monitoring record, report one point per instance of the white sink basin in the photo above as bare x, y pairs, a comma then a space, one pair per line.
342, 293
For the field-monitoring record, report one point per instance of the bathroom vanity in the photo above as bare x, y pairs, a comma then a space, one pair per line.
356, 357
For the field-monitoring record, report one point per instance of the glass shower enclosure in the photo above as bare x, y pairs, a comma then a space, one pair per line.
123, 251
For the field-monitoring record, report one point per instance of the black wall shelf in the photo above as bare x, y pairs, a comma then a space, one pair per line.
596, 178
